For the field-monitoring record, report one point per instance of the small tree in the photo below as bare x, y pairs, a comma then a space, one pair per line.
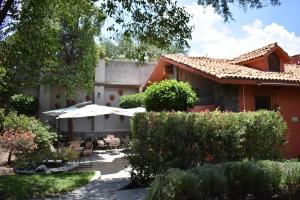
170, 95
18, 141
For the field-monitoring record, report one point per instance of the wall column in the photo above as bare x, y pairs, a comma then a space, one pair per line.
99, 94
44, 101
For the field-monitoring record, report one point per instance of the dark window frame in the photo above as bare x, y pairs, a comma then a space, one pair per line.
169, 69
274, 62
263, 102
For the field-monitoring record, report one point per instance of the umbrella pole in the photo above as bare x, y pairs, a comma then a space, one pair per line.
70, 129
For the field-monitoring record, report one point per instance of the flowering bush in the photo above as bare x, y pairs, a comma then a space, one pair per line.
43, 136
18, 141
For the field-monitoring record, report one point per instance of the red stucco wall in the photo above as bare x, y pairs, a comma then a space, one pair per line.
288, 99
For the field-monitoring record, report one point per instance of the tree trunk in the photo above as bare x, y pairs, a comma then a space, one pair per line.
70, 124
9, 156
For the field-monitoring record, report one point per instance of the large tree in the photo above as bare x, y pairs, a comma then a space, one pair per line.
56, 46
127, 48
51, 41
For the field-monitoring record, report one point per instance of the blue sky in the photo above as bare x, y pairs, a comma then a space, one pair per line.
249, 30
287, 14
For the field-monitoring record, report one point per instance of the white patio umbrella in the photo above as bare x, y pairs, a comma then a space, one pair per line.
61, 111
130, 111
88, 111
96, 110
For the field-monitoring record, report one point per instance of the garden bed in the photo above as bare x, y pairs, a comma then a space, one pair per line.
64, 168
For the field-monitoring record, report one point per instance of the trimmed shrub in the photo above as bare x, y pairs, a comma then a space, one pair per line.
132, 100
24, 104
176, 184
184, 140
243, 180
170, 95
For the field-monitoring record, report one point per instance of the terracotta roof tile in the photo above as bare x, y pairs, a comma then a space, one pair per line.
224, 69
253, 54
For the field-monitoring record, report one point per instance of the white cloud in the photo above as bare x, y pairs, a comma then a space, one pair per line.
211, 37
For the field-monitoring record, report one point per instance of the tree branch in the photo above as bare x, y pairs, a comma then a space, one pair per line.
3, 13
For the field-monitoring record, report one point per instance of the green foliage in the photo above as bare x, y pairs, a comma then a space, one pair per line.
24, 104
40, 186
184, 140
169, 95
44, 137
66, 154
41, 157
126, 48
132, 100
242, 180
176, 184
53, 44
2, 78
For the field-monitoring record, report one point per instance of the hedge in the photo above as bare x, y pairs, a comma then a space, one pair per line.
184, 140
132, 100
241, 180
24, 104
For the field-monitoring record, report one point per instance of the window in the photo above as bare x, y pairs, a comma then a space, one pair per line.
262, 102
170, 72
169, 69
274, 63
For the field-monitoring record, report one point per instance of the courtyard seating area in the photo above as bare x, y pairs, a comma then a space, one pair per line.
86, 147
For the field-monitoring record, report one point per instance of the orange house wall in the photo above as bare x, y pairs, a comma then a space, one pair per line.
288, 99
260, 64
263, 65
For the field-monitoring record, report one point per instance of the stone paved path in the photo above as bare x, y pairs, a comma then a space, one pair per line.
106, 188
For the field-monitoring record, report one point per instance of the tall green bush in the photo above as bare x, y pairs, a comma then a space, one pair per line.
169, 95
184, 140
24, 104
132, 100
241, 180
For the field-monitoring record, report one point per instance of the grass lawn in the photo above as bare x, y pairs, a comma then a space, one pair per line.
41, 185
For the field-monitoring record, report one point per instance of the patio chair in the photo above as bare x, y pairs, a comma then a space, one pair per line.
74, 144
112, 141
125, 141
101, 143
88, 149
